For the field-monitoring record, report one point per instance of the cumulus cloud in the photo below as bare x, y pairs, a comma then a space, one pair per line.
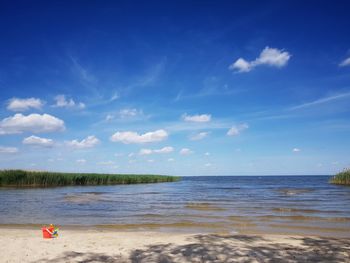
199, 136
129, 137
345, 62
167, 149
237, 129
8, 149
38, 141
16, 104
269, 56
197, 118
241, 65
35, 123
185, 151
296, 150
88, 142
63, 102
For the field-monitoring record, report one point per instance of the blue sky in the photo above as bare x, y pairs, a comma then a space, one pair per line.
184, 88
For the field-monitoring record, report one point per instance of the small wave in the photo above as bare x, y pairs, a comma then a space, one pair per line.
204, 207
225, 188
294, 191
295, 210
301, 210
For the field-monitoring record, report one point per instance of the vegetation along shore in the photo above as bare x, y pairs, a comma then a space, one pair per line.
23, 178
341, 178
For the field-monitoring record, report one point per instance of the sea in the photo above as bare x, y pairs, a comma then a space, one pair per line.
216, 204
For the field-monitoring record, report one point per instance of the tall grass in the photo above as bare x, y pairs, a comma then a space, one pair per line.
20, 178
341, 178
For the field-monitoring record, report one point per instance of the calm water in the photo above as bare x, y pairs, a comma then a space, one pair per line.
283, 204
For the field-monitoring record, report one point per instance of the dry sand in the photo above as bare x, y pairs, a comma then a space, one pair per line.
27, 245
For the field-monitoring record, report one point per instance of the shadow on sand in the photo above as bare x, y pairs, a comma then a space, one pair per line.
233, 248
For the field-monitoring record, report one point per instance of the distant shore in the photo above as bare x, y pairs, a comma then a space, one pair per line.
24, 178
102, 245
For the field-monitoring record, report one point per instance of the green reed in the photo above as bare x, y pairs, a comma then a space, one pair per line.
20, 178
341, 178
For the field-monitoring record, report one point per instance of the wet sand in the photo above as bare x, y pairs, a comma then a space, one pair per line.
111, 245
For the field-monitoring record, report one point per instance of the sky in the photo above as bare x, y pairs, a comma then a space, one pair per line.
175, 87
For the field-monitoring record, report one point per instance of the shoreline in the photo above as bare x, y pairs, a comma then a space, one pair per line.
190, 228
109, 245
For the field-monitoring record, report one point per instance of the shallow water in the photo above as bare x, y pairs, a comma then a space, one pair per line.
277, 204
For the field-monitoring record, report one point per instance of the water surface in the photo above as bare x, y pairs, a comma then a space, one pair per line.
277, 204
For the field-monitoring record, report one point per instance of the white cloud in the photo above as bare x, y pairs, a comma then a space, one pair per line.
237, 129
296, 150
171, 160
62, 102
129, 137
88, 142
129, 113
131, 155
345, 62
81, 161
241, 65
150, 161
269, 56
208, 165
145, 152
35, 123
197, 118
185, 151
38, 141
199, 136
16, 104
126, 114
167, 149
272, 57
207, 154
8, 149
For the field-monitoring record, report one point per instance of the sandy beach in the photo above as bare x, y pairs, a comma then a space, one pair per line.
96, 245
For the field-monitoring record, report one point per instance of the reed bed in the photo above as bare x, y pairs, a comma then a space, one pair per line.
342, 178
23, 178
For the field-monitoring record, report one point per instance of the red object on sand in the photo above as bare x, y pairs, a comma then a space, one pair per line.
47, 231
